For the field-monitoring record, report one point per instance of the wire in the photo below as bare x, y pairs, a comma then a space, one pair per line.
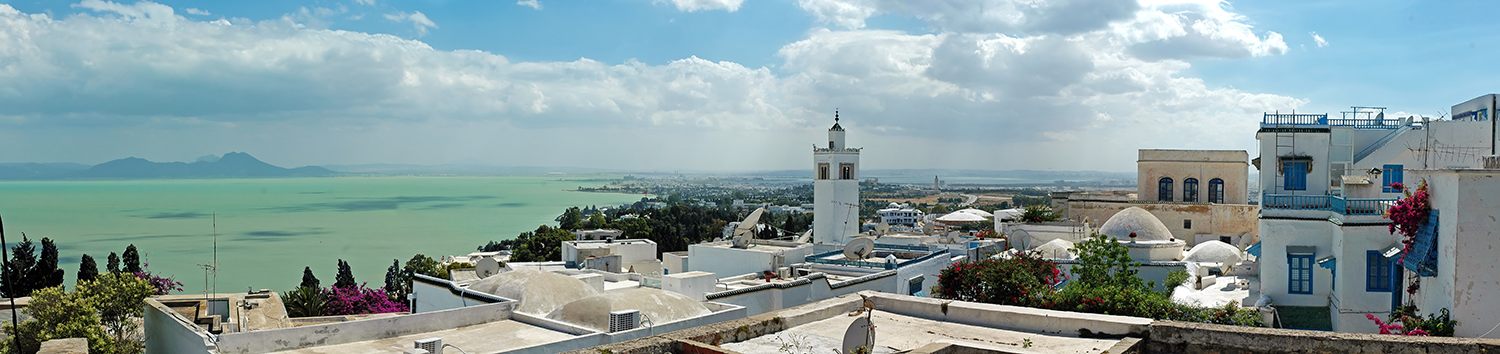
1492, 329
445, 345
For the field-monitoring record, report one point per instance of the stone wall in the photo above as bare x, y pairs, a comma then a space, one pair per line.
1193, 338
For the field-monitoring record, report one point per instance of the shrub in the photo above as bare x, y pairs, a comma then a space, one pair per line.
360, 300
1024, 279
1175, 279
305, 301
1436, 325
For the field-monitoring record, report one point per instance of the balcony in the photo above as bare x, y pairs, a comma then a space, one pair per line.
1299, 120
1336, 204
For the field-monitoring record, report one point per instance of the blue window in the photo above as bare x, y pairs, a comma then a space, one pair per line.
1164, 189
1377, 272
1390, 174
1216, 191
1190, 190
1299, 273
1294, 175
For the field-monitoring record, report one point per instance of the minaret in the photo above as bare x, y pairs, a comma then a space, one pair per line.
835, 189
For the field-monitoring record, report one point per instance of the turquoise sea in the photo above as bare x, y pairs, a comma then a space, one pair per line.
268, 229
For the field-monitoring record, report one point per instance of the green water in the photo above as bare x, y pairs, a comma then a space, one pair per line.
268, 229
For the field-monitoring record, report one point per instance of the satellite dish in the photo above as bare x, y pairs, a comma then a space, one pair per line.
806, 236
749, 223
859, 248
1020, 239
741, 241
859, 334
486, 266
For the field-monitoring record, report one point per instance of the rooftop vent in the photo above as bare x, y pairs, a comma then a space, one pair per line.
624, 320
431, 345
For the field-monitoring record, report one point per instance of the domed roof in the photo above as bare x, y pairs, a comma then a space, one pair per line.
660, 306
1055, 249
1214, 252
538, 291
1134, 219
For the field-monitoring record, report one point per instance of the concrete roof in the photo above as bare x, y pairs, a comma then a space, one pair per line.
1135, 220
490, 337
897, 333
659, 306
539, 291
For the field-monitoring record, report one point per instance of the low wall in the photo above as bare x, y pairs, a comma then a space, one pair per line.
433, 294
170, 333
1025, 319
361, 330
1193, 338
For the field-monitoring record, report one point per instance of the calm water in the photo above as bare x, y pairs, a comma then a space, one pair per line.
268, 229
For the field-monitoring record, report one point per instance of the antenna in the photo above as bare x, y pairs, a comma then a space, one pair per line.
214, 267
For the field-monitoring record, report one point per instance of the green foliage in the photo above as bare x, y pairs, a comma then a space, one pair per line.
55, 314
1026, 201
132, 259
304, 302
542, 245
1102, 261
308, 279
596, 221
572, 219
395, 281
345, 277
114, 263
420, 264
1175, 278
1023, 280
1038, 213
939, 209
28, 272
1436, 325
87, 270
118, 299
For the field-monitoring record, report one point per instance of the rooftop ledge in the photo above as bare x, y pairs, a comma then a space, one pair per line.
853, 150
1304, 120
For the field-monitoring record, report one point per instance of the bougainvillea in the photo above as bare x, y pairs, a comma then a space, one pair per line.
359, 301
1023, 279
1408, 214
1393, 328
159, 285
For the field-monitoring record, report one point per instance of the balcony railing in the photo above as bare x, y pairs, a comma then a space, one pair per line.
1327, 203
1365, 123
1294, 119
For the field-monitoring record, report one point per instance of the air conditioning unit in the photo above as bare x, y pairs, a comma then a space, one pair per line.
624, 320
431, 345
1491, 162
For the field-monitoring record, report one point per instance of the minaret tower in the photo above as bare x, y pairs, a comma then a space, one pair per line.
835, 189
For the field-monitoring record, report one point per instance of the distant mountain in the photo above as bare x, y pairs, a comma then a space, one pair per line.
14, 171
460, 169
231, 165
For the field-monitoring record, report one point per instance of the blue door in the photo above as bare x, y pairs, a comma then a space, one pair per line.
1397, 288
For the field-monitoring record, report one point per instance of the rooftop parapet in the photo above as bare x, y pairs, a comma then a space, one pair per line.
1306, 120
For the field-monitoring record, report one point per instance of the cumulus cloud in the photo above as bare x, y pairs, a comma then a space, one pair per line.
530, 3
194, 11
1091, 92
365, 2
705, 5
1318, 39
988, 16
417, 19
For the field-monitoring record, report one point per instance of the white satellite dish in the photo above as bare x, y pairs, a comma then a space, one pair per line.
744, 233
859, 248
858, 335
806, 236
1020, 239
486, 266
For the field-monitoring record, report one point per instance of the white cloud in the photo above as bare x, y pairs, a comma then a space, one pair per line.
365, 2
530, 3
1068, 98
1318, 39
194, 11
417, 19
705, 5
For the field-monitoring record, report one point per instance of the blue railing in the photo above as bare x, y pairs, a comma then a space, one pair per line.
1294, 119
1378, 143
1365, 123
1327, 203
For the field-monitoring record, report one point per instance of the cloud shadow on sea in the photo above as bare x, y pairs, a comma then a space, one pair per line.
182, 215
281, 235
442, 206
510, 205
378, 204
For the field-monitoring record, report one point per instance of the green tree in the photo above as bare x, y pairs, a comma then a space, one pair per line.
114, 263
345, 277
305, 302
132, 260
1102, 261
596, 221
308, 279
572, 219
939, 209
45, 273
87, 270
22, 259
1038, 213
56, 313
118, 299
395, 281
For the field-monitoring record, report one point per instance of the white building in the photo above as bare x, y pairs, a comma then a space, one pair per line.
1325, 183
1458, 272
629, 256
900, 214
835, 189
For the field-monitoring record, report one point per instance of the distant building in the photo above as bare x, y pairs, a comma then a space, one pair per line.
900, 214
1200, 195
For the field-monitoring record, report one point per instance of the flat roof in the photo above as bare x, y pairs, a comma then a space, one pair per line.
904, 333
489, 337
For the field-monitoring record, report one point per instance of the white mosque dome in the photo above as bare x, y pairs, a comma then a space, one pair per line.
1055, 249
659, 306
1146, 227
1214, 252
539, 292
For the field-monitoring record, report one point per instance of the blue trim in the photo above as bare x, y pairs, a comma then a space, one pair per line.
1254, 250
1377, 272
1422, 256
1190, 190
1391, 174
1303, 263
1294, 175
1164, 189
1216, 191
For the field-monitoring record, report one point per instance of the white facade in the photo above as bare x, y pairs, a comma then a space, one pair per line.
835, 189
1468, 237
636, 255
900, 214
1323, 240
726, 261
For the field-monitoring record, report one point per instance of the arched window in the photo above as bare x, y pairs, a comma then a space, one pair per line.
1164, 189
1190, 190
1216, 191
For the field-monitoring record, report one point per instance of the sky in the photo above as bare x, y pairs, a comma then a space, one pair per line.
659, 85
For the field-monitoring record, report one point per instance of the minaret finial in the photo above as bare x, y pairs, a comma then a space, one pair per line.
835, 115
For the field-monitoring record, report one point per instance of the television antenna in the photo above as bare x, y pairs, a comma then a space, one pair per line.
212, 268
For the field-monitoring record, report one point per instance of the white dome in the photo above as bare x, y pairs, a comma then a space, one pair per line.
1055, 249
660, 306
1214, 252
1134, 219
539, 292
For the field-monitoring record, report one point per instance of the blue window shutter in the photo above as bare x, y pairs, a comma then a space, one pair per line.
1422, 257
1392, 174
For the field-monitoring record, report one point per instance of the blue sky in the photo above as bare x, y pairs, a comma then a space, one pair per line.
711, 84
